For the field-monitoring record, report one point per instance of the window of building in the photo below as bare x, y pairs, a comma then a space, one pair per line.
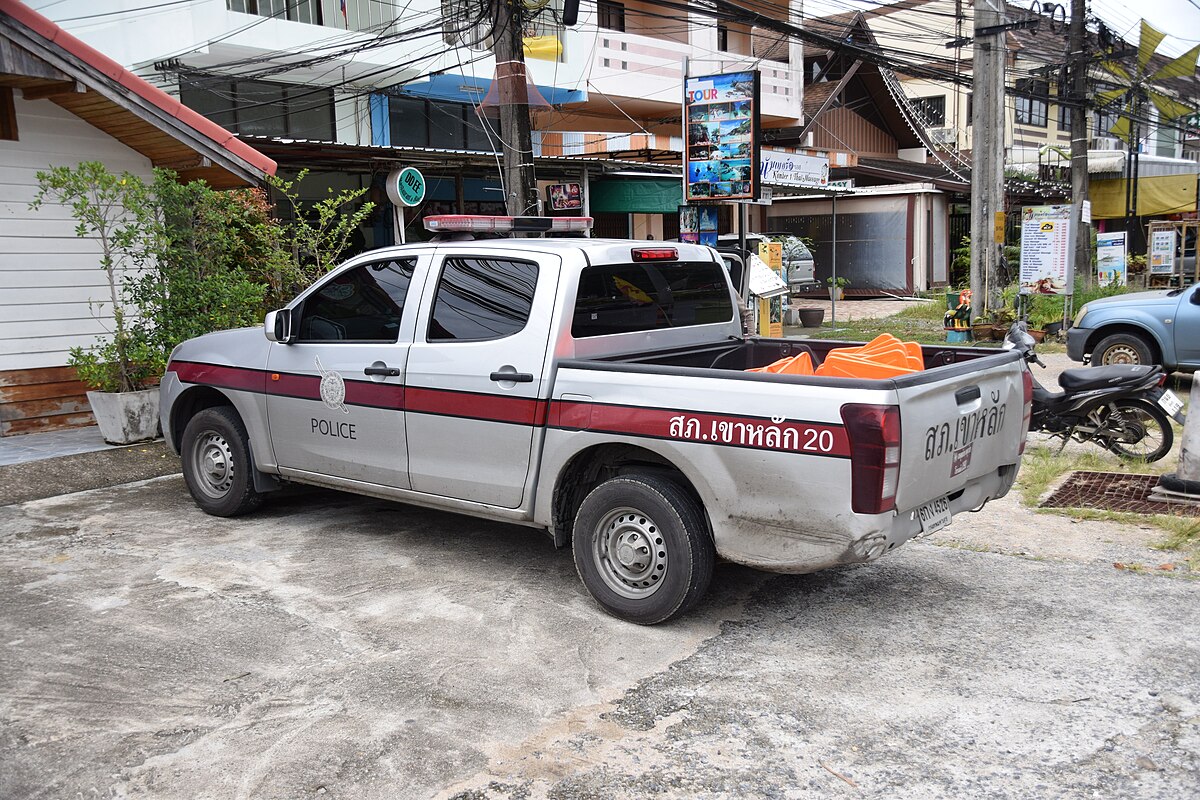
931, 109
624, 298
610, 15
482, 298
723, 37
1064, 118
416, 122
295, 10
361, 305
261, 109
1032, 104
467, 23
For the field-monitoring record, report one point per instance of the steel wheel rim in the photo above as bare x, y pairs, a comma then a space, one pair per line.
1137, 429
1121, 354
629, 551
212, 463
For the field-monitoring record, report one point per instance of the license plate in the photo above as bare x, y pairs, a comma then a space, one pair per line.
934, 516
1170, 403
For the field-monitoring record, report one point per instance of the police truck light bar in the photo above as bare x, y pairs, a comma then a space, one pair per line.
479, 223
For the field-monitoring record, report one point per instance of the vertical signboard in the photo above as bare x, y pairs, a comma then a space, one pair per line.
1047, 247
1162, 252
698, 225
771, 254
1110, 258
721, 128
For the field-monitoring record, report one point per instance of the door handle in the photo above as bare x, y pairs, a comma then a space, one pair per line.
515, 377
390, 371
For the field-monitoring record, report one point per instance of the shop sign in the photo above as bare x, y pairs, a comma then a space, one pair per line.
721, 128
794, 170
406, 187
1047, 249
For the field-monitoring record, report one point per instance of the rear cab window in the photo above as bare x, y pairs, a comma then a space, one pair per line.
627, 298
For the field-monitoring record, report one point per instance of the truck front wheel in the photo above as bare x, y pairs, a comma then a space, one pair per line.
217, 463
642, 548
1121, 348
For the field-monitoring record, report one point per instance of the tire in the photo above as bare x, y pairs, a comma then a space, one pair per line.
1143, 431
642, 548
1122, 348
217, 464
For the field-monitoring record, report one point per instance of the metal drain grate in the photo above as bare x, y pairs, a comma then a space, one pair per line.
1114, 491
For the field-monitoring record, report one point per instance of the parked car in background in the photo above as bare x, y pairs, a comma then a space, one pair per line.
798, 263
1159, 327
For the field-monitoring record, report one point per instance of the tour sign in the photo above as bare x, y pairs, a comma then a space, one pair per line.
406, 187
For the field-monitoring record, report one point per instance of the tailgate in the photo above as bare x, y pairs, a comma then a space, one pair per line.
957, 423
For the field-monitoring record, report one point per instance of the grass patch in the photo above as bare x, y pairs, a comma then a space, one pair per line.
1043, 465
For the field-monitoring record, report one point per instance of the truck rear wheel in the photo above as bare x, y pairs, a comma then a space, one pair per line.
217, 463
642, 548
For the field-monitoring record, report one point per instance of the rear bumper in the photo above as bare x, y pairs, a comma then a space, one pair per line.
1076, 340
864, 538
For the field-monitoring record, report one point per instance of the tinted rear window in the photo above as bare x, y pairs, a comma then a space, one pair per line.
622, 298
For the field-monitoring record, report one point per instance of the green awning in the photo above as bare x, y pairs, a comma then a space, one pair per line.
637, 195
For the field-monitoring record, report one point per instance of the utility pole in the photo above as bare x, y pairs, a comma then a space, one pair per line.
520, 183
987, 156
1077, 65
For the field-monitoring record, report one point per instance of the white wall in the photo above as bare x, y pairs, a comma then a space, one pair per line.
48, 275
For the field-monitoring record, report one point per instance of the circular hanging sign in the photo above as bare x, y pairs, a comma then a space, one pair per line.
406, 187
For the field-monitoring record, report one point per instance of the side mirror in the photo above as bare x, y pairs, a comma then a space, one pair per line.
1196, 297
278, 326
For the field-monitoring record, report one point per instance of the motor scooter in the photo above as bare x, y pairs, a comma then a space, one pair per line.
1123, 408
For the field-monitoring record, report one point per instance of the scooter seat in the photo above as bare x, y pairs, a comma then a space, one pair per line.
1082, 380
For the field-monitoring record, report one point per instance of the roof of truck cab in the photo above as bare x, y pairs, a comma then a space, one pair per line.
686, 250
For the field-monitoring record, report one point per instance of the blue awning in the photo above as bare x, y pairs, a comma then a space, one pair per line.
468, 89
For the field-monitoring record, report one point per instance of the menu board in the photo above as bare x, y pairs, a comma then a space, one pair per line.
721, 127
1162, 252
1047, 250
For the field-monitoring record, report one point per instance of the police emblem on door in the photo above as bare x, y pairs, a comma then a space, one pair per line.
333, 389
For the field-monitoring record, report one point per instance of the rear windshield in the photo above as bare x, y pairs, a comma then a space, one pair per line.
623, 298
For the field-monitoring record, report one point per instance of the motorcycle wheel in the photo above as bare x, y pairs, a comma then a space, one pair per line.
1138, 429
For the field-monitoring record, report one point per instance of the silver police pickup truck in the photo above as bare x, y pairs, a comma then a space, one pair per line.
597, 390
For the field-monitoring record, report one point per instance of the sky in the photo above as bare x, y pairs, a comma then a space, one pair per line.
1180, 19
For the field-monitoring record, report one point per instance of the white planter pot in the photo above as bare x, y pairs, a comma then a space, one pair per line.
835, 293
126, 417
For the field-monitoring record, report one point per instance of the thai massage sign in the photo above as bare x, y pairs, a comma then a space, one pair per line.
721, 127
779, 168
1047, 250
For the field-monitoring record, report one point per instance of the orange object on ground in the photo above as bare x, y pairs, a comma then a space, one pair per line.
792, 365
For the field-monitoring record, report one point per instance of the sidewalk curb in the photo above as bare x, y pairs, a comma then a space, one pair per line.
49, 477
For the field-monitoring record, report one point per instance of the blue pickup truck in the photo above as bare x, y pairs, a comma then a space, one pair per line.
1159, 327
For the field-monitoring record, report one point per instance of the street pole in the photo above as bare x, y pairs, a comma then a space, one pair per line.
987, 157
516, 139
1077, 59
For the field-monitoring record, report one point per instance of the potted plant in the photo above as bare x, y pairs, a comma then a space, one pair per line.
181, 260
122, 367
837, 286
811, 317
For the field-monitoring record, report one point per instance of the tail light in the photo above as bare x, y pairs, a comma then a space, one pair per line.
874, 433
1027, 410
654, 254
1162, 379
